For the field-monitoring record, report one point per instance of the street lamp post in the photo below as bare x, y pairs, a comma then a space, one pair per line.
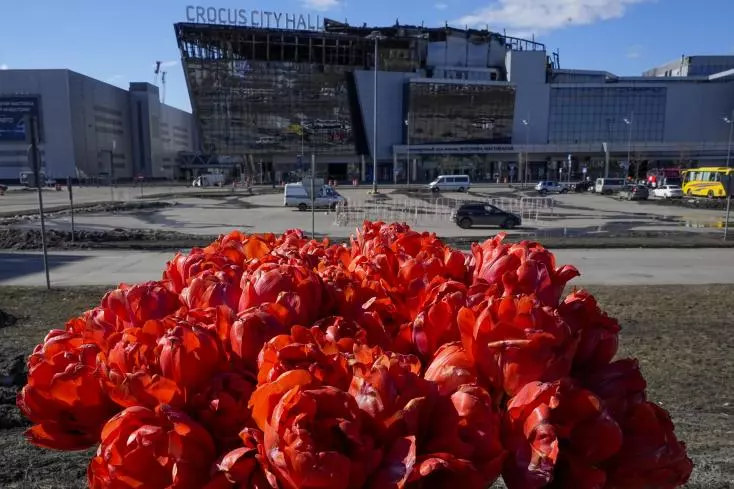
730, 121
376, 36
526, 123
407, 151
628, 121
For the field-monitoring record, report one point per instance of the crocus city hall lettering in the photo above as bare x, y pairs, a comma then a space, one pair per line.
252, 18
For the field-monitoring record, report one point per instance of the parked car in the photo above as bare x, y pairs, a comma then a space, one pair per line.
299, 195
584, 186
450, 183
634, 192
550, 187
668, 192
608, 185
479, 214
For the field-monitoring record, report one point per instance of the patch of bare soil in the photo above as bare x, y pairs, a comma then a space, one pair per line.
681, 334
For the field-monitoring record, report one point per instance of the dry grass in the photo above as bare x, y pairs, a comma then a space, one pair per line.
681, 334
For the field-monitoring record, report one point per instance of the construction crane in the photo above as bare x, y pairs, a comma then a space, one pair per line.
156, 72
163, 87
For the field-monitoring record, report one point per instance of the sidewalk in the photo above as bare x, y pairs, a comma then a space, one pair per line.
598, 267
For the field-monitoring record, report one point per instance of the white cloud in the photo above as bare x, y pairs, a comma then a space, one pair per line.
4, 67
441, 6
540, 16
321, 4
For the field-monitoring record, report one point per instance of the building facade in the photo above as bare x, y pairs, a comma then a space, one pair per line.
424, 101
90, 130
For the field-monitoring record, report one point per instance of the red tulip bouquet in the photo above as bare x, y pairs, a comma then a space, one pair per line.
267, 361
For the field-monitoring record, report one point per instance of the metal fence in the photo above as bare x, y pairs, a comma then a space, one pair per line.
435, 212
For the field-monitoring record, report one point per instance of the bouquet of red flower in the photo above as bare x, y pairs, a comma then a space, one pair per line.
267, 361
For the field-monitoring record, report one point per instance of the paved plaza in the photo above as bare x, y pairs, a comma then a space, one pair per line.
217, 211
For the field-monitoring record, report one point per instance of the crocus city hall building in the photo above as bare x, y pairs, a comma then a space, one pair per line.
270, 90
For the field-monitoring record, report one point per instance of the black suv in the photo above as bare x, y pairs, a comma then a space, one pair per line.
479, 214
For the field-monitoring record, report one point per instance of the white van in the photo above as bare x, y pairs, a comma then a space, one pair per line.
608, 185
297, 195
450, 183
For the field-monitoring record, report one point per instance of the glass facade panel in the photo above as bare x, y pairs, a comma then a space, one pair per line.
273, 107
442, 113
596, 114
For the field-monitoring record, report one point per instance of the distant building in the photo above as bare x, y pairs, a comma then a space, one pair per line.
90, 129
449, 101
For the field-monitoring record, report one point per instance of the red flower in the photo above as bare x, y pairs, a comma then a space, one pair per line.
554, 432
599, 334
64, 397
619, 384
295, 287
436, 323
466, 425
307, 350
125, 307
317, 438
394, 395
190, 356
451, 367
651, 455
244, 467
444, 471
515, 341
253, 328
131, 370
211, 289
145, 448
222, 407
522, 268
183, 268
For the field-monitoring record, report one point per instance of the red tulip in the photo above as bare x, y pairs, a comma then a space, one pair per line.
599, 334
444, 471
253, 328
145, 448
515, 341
522, 268
295, 287
211, 290
131, 370
396, 466
550, 426
133, 305
651, 456
238, 248
451, 367
619, 384
466, 425
182, 268
394, 395
218, 320
127, 306
317, 438
436, 323
307, 350
222, 407
244, 467
63, 397
190, 356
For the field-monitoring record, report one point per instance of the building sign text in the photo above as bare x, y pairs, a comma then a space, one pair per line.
252, 18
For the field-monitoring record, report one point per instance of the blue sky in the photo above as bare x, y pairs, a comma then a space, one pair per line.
119, 41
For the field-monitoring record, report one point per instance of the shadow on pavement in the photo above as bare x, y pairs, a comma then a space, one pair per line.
14, 265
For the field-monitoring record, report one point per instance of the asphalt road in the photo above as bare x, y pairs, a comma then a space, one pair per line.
598, 267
